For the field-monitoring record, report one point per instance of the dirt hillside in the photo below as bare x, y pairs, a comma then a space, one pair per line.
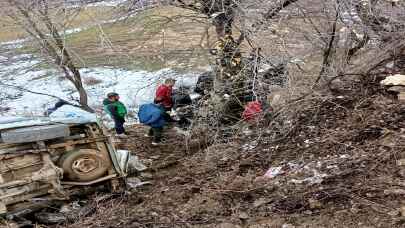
335, 161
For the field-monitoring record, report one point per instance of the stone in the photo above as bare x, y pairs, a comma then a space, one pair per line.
307, 212
244, 215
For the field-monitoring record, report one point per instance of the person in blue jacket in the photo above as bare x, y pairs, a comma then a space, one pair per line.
153, 115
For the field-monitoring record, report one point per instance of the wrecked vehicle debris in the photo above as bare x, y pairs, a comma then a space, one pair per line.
51, 159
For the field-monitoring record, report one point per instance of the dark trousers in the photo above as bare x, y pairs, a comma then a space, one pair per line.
167, 116
156, 132
119, 125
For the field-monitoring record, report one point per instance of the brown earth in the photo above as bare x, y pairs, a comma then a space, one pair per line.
339, 156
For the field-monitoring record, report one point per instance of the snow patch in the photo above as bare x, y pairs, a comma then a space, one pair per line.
112, 3
71, 114
135, 87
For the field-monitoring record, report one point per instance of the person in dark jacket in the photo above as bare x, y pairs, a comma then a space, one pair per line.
153, 115
117, 111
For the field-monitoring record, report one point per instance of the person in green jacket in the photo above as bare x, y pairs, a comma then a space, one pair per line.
117, 111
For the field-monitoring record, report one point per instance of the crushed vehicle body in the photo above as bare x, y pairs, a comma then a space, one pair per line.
47, 159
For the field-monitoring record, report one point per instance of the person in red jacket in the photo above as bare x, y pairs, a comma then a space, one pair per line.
164, 94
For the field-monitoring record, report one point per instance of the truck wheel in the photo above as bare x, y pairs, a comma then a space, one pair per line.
83, 165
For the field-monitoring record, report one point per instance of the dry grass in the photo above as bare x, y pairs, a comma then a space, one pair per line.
151, 40
72, 18
154, 39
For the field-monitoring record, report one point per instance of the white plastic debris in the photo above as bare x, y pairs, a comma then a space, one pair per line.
317, 178
394, 80
135, 163
274, 171
195, 96
134, 182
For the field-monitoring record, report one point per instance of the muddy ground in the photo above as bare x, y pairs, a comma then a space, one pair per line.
337, 165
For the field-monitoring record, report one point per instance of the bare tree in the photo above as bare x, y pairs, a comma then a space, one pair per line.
35, 18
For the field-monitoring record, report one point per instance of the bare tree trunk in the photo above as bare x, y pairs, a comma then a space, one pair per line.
51, 41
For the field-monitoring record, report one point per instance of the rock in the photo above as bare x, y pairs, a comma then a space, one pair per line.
307, 212
244, 216
228, 225
401, 162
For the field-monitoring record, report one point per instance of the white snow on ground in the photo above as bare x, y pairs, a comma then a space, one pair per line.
13, 44
134, 87
69, 114
111, 3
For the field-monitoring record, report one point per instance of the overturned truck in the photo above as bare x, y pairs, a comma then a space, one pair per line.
47, 160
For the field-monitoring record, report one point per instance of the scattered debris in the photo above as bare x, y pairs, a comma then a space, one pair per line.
396, 83
394, 80
274, 171
134, 182
134, 164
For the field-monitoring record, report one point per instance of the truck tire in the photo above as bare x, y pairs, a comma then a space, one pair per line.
83, 165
